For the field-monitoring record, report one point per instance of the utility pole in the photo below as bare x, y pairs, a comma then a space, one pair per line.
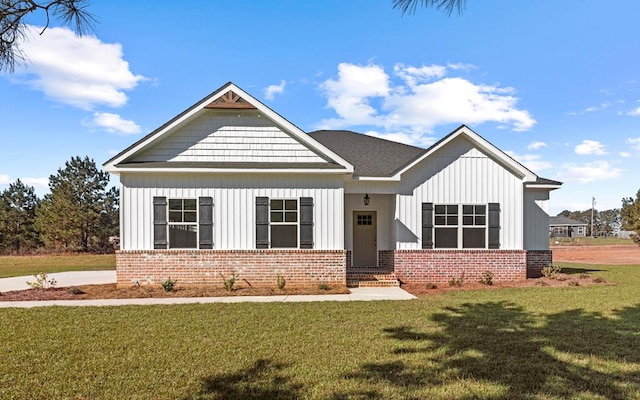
593, 206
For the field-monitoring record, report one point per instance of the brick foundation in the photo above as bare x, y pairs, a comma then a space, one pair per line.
439, 266
536, 260
252, 267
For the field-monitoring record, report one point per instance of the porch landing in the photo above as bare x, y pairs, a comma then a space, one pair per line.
371, 277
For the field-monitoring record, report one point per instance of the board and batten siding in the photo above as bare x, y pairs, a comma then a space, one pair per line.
234, 205
223, 136
536, 219
459, 173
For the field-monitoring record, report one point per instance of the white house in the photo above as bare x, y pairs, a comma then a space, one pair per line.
230, 186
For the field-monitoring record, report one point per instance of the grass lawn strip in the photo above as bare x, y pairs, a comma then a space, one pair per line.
527, 343
31, 265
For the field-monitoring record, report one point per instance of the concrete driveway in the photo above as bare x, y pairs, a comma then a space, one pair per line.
63, 279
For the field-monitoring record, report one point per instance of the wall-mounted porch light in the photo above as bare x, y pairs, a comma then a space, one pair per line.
366, 199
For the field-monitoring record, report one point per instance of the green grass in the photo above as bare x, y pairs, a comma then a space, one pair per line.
530, 343
588, 241
30, 265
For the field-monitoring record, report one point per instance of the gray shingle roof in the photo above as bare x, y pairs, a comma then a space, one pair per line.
370, 156
562, 220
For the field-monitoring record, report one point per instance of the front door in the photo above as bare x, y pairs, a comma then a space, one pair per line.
365, 247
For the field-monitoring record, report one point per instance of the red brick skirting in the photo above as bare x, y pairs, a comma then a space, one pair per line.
440, 266
252, 267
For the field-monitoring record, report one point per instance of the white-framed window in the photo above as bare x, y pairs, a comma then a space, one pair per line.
283, 223
182, 224
460, 226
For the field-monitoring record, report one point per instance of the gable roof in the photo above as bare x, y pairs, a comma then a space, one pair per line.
370, 156
561, 220
227, 97
383, 159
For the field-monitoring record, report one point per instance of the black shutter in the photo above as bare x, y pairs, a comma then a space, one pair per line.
427, 225
205, 224
494, 225
306, 222
262, 222
159, 222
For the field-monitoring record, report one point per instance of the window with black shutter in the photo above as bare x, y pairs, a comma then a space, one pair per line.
183, 223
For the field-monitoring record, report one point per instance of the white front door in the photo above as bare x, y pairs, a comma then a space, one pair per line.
365, 246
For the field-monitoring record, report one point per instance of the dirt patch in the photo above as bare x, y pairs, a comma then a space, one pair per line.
576, 277
608, 255
109, 291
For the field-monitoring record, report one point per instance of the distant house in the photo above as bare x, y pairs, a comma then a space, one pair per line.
563, 227
230, 186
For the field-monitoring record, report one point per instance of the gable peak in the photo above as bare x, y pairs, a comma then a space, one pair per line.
230, 101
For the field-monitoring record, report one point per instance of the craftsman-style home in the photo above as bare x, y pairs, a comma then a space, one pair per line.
230, 186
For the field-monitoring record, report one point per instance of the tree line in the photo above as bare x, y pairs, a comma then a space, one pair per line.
607, 222
78, 214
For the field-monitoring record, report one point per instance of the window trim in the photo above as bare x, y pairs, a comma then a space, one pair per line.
460, 225
284, 222
196, 223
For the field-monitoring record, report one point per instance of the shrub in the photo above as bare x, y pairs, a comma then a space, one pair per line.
42, 282
599, 279
456, 281
431, 285
228, 283
169, 285
542, 283
550, 271
574, 283
487, 278
323, 286
583, 276
75, 290
281, 282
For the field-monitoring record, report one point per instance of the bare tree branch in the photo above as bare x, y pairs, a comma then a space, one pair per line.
448, 6
12, 27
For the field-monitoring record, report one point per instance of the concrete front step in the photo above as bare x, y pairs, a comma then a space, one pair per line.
371, 278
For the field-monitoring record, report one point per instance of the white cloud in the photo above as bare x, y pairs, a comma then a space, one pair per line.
38, 183
349, 95
634, 112
590, 147
601, 106
595, 171
531, 161
414, 138
271, 90
113, 123
80, 71
625, 154
536, 145
414, 75
634, 142
421, 100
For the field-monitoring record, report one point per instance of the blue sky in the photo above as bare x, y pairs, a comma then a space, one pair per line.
554, 84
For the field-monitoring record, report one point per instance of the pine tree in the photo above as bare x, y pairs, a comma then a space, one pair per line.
630, 213
18, 205
79, 213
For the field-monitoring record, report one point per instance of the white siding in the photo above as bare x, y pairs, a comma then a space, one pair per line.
222, 136
234, 205
459, 174
380, 187
536, 219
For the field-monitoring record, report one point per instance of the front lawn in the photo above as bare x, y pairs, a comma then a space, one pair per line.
30, 265
528, 343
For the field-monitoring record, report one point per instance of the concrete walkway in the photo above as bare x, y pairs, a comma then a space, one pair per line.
65, 279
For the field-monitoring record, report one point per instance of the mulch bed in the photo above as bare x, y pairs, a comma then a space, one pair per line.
109, 291
560, 280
